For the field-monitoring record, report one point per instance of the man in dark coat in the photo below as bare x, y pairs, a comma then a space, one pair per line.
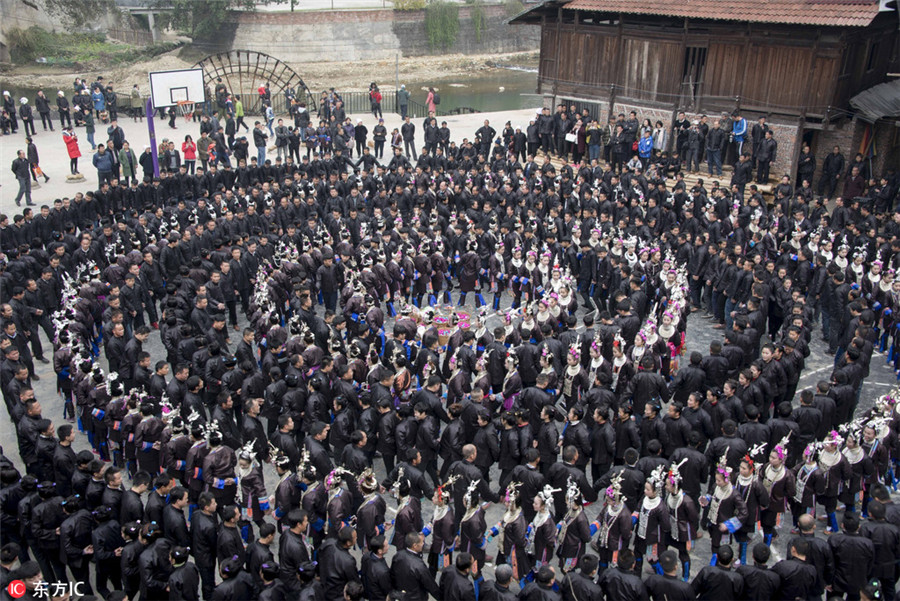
455, 582
409, 572
620, 582
718, 582
336, 566
798, 578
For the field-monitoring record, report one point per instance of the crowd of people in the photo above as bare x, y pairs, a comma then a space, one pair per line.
398, 346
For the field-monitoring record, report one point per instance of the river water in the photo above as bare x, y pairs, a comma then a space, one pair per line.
497, 90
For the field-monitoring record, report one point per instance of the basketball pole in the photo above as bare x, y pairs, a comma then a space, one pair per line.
151, 129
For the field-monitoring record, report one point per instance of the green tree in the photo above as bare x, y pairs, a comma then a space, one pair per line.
198, 19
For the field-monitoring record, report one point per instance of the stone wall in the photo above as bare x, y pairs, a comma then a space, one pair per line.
848, 135
22, 15
370, 34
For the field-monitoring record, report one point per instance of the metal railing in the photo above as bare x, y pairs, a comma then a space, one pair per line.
355, 103
130, 36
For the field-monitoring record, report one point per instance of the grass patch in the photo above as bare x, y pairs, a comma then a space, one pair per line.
77, 49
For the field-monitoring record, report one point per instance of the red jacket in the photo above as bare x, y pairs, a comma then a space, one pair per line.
72, 145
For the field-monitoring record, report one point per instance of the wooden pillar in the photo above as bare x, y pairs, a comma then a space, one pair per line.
747, 44
617, 68
798, 139
559, 17
680, 95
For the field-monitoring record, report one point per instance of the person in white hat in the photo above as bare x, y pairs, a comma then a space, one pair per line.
62, 106
27, 115
9, 105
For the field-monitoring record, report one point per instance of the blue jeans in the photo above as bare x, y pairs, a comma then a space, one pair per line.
269, 125
729, 307
594, 152
714, 159
261, 154
90, 138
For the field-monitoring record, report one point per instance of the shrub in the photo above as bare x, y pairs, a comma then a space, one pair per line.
478, 19
441, 23
513, 7
408, 4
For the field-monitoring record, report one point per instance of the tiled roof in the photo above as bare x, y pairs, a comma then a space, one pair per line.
837, 13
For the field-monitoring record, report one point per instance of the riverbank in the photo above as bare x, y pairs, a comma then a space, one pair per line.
354, 76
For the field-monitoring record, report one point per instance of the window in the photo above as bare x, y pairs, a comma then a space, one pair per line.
847, 59
873, 55
694, 69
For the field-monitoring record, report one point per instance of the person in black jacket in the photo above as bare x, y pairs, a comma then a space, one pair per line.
621, 582
408, 131
75, 541
174, 523
582, 584
236, 583
204, 541
798, 577
668, 585
719, 582
832, 169
760, 582
409, 572
375, 573
715, 142
229, 543
885, 539
743, 173
107, 543
184, 581
455, 584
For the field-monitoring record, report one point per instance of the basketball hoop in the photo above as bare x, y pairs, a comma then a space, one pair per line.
187, 109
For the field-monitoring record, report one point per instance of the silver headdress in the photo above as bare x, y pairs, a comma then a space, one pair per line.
546, 495
334, 478
367, 481
614, 490
658, 477
470, 490
512, 493
673, 476
573, 493
782, 447
444, 489
246, 452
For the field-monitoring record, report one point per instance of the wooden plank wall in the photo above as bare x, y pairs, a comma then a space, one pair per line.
764, 72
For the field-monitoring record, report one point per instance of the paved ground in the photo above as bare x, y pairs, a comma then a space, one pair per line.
54, 161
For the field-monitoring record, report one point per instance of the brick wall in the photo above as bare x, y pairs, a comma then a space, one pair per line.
372, 34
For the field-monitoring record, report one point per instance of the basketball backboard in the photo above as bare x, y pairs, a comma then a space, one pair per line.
171, 87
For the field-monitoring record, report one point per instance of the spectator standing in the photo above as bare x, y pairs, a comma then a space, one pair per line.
22, 171
34, 160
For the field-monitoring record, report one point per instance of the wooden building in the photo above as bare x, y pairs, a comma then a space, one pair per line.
798, 62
